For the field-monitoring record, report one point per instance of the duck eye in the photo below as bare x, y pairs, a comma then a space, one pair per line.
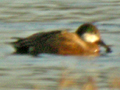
95, 32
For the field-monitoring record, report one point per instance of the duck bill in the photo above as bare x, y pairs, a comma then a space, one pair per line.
108, 49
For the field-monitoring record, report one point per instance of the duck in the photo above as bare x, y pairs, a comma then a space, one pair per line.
86, 40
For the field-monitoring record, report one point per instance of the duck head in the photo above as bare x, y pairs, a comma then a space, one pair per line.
89, 33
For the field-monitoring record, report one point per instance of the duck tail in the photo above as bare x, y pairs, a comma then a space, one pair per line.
19, 48
15, 43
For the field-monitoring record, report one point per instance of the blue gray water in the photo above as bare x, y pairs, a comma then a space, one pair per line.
22, 18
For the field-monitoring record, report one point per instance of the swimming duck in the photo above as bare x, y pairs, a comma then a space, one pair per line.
85, 41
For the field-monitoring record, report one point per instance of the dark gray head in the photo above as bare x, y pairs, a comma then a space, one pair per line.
89, 33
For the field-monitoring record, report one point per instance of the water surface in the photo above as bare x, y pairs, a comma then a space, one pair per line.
56, 72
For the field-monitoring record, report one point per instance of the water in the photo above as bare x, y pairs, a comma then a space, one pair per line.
55, 72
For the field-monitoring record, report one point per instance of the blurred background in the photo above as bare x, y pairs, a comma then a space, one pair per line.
21, 18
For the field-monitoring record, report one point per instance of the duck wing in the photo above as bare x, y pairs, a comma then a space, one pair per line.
22, 45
